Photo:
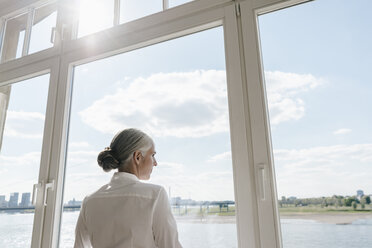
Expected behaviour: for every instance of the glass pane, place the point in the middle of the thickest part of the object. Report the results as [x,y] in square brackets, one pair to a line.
[318,87]
[44,20]
[21,40]
[14,38]
[21,130]
[95,15]
[173,3]
[134,9]
[176,92]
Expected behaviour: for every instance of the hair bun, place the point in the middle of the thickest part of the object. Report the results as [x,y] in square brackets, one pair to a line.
[107,161]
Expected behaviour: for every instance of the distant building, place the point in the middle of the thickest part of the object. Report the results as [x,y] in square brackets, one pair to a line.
[25,202]
[74,202]
[360,194]
[13,200]
[3,203]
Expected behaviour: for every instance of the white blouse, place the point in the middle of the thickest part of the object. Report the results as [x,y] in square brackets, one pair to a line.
[126,213]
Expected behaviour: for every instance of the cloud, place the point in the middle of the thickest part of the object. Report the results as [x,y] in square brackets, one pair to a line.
[342,131]
[190,104]
[31,158]
[323,171]
[24,116]
[78,145]
[283,91]
[82,158]
[221,156]
[179,104]
[26,125]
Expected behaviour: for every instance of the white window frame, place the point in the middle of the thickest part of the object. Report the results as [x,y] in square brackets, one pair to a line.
[253,171]
[15,75]
[30,11]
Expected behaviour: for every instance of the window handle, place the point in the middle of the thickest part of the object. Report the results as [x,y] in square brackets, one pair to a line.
[261,180]
[35,191]
[47,186]
[53,35]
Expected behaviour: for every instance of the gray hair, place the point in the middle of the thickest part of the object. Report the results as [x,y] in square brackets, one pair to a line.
[122,147]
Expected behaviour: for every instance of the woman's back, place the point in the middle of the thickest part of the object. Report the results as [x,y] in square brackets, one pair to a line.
[127,213]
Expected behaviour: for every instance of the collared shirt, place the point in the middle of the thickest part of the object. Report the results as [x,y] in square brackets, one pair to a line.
[126,213]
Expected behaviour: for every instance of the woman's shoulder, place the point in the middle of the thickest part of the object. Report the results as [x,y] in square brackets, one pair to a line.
[147,190]
[149,187]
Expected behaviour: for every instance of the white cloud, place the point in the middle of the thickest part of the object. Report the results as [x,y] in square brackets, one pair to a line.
[190,104]
[82,158]
[342,131]
[31,158]
[11,132]
[180,104]
[221,156]
[22,124]
[323,171]
[24,116]
[283,91]
[82,144]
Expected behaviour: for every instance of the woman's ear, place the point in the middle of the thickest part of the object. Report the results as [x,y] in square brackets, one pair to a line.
[137,157]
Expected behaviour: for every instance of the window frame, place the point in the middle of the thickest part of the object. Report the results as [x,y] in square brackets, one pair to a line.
[29,10]
[51,67]
[257,217]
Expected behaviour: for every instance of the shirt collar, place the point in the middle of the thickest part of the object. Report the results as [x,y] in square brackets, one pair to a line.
[120,176]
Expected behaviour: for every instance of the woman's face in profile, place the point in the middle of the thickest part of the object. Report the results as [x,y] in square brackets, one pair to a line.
[148,161]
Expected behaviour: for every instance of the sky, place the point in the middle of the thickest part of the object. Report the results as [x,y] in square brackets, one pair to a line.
[317,61]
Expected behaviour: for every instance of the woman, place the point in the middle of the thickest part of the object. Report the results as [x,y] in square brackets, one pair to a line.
[126,212]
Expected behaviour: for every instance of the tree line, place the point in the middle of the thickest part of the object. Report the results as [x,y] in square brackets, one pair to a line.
[335,200]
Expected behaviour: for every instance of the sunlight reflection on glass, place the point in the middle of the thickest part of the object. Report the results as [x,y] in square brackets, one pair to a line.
[95,15]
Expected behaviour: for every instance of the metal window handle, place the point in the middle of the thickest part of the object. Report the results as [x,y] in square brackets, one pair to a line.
[47,186]
[261,180]
[35,191]
[53,35]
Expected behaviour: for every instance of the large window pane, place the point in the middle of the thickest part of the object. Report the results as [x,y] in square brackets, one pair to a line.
[22,114]
[176,91]
[45,19]
[317,59]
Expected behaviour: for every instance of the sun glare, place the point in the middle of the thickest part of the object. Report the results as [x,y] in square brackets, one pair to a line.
[95,15]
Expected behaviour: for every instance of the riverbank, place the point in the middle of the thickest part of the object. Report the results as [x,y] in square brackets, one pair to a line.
[338,218]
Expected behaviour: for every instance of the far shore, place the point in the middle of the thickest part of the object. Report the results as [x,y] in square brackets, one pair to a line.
[341,218]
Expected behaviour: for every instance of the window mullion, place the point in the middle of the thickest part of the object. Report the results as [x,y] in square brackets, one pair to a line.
[117,12]
[2,34]
[30,20]
[165,4]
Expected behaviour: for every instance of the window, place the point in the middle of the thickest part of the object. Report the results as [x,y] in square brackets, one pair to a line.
[14,36]
[322,48]
[29,32]
[177,92]
[318,98]
[43,30]
[22,128]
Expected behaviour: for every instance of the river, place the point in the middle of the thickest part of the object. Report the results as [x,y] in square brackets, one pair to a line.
[15,232]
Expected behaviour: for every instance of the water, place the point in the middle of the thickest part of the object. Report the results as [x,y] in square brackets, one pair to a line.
[16,229]
[312,234]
